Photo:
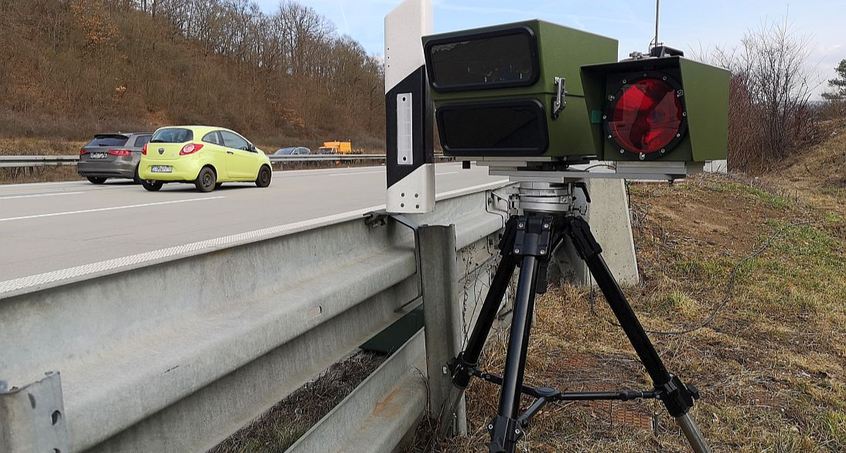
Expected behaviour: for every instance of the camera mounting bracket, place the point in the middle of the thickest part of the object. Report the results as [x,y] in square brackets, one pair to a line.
[554,170]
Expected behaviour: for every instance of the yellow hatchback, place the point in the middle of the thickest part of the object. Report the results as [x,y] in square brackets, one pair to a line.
[204,155]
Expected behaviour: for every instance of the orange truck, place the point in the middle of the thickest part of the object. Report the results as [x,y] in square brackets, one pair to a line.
[336,148]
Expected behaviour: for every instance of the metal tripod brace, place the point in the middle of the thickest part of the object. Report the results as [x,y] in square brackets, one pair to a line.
[529,240]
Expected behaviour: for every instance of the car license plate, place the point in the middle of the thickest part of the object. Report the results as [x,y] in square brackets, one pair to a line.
[161,169]
[98,155]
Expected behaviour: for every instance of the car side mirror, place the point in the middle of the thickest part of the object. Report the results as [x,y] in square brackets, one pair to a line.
[251,148]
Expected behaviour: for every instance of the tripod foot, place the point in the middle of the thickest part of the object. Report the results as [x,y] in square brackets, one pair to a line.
[505,432]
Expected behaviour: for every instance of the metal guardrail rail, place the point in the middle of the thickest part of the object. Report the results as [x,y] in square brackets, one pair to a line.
[36,161]
[54,161]
[176,351]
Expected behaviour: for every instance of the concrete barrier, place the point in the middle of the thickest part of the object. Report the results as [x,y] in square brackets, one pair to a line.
[610,221]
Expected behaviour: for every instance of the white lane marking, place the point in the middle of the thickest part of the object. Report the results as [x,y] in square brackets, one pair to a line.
[193,248]
[197,247]
[55,194]
[352,173]
[447,173]
[38,184]
[114,208]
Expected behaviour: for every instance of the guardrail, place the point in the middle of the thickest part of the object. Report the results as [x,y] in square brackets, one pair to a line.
[174,350]
[322,157]
[55,161]
[36,161]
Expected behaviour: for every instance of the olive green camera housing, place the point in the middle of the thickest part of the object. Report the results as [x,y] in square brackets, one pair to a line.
[703,92]
[495,90]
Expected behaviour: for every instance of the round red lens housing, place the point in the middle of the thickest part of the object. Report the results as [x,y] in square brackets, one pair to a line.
[647,116]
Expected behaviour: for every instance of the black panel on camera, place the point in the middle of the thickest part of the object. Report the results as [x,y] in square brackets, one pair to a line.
[498,59]
[513,127]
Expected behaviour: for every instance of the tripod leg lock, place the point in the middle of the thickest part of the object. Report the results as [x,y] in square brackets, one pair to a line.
[461,371]
[505,433]
[677,397]
[582,238]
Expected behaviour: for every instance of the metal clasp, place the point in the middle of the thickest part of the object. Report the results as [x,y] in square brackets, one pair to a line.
[560,101]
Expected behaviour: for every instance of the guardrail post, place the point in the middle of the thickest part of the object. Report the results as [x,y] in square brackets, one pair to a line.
[32,418]
[442,318]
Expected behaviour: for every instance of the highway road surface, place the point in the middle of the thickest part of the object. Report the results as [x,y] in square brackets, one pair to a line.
[51,228]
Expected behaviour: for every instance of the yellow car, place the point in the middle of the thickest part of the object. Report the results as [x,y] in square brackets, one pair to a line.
[204,155]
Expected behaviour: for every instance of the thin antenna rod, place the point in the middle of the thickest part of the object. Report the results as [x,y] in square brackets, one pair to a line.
[657,5]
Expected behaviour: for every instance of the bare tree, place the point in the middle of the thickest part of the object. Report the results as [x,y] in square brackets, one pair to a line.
[771,89]
[153,62]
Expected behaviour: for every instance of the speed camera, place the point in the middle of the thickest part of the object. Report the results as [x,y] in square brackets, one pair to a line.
[514,89]
[658,107]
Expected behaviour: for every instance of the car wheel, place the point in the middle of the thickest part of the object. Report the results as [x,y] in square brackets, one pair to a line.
[264,175]
[206,180]
[96,180]
[151,185]
[136,178]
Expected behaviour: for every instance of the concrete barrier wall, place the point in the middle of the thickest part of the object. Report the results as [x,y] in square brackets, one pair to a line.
[716,166]
[609,218]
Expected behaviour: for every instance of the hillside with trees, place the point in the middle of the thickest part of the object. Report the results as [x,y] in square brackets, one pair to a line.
[71,68]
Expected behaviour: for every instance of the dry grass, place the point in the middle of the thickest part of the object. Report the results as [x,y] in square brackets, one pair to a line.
[20,175]
[818,177]
[26,146]
[38,146]
[770,367]
[286,422]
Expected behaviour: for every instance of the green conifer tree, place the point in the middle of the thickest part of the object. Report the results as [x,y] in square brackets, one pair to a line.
[838,84]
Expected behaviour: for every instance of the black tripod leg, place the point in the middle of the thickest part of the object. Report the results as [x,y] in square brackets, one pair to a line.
[505,429]
[463,365]
[673,393]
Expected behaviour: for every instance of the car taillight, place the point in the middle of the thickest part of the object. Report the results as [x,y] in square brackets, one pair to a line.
[120,152]
[647,117]
[190,149]
[144,150]
[82,152]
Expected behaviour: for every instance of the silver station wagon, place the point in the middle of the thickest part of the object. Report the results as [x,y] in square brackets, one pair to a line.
[112,156]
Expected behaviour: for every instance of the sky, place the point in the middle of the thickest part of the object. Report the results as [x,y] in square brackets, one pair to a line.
[689,25]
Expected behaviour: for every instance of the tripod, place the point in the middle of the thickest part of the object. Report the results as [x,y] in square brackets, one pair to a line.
[528,241]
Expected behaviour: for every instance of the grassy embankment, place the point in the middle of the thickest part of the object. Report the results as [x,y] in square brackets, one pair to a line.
[771,366]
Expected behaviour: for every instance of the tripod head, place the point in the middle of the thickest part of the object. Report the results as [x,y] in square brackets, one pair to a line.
[551,198]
